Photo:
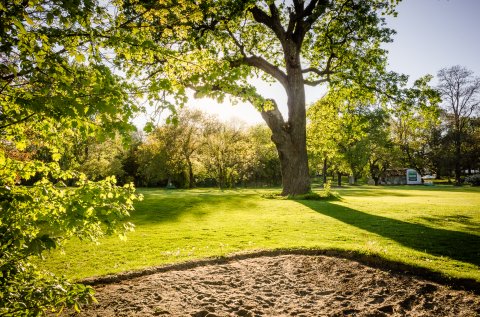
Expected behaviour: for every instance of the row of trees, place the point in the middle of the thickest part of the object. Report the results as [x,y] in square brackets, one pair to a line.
[349,133]
[199,150]
[439,133]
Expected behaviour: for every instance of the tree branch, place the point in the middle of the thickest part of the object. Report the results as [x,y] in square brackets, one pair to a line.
[237,42]
[17,122]
[310,14]
[274,119]
[263,64]
[272,22]
[315,82]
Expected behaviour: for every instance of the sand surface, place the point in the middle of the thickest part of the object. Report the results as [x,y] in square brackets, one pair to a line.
[282,285]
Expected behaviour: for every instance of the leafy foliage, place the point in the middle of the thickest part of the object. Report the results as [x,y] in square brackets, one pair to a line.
[55,92]
[347,130]
[215,48]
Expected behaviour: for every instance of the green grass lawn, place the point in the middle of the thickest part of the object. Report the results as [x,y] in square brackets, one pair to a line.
[437,228]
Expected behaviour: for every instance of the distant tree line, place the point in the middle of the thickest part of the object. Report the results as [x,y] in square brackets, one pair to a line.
[196,150]
[435,130]
[350,133]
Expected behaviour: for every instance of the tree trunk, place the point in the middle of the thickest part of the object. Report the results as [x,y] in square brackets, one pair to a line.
[324,170]
[191,180]
[339,176]
[294,166]
[290,137]
[458,158]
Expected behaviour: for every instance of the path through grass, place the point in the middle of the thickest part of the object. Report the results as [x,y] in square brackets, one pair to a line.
[435,228]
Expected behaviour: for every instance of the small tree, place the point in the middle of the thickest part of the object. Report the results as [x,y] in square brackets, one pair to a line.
[460,91]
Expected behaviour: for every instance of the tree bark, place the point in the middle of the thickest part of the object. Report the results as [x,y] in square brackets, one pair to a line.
[324,170]
[292,153]
[458,158]
[290,137]
[294,165]
[191,177]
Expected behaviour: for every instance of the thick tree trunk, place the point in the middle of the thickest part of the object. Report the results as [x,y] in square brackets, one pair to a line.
[290,137]
[294,165]
[339,179]
[292,152]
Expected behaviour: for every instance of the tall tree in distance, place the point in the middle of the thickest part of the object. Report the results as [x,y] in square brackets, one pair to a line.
[460,91]
[217,48]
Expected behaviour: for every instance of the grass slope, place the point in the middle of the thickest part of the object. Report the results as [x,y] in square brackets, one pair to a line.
[435,228]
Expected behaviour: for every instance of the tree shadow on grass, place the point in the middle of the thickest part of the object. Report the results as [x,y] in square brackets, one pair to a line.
[456,245]
[403,190]
[161,205]
[373,192]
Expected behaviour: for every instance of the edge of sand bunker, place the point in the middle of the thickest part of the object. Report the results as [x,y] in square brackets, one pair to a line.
[373,261]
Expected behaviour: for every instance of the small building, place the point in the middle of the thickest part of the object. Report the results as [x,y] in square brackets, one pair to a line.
[401,176]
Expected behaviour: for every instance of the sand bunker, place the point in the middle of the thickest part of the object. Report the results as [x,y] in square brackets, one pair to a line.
[283,285]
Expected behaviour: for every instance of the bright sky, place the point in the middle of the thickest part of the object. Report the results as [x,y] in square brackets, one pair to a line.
[431,34]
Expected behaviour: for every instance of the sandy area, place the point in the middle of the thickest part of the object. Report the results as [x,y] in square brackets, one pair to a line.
[282,285]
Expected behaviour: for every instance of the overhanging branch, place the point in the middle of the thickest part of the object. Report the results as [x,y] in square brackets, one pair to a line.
[264,65]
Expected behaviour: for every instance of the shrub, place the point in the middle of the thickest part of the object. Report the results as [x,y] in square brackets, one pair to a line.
[474,180]
[37,218]
[326,194]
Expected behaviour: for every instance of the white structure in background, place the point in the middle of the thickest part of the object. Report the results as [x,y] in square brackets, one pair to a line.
[413,177]
[401,176]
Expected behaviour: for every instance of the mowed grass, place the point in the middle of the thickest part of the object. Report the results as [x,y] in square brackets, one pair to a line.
[436,228]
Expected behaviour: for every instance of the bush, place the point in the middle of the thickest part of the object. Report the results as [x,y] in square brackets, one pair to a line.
[474,180]
[326,194]
[37,218]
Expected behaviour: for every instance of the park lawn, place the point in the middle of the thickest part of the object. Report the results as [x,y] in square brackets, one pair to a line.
[437,228]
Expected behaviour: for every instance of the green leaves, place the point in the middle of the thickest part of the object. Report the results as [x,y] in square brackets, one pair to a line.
[38,218]
[55,94]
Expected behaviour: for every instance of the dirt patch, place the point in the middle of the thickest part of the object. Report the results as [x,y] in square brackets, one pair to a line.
[283,285]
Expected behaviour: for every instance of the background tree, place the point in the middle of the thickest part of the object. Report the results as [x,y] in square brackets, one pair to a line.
[265,165]
[460,91]
[322,127]
[218,47]
[227,154]
[188,139]
[414,119]
[348,129]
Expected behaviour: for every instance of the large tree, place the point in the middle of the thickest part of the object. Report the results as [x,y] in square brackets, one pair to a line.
[218,47]
[460,91]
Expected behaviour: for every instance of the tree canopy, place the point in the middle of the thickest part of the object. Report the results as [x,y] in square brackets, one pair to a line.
[217,48]
[54,89]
